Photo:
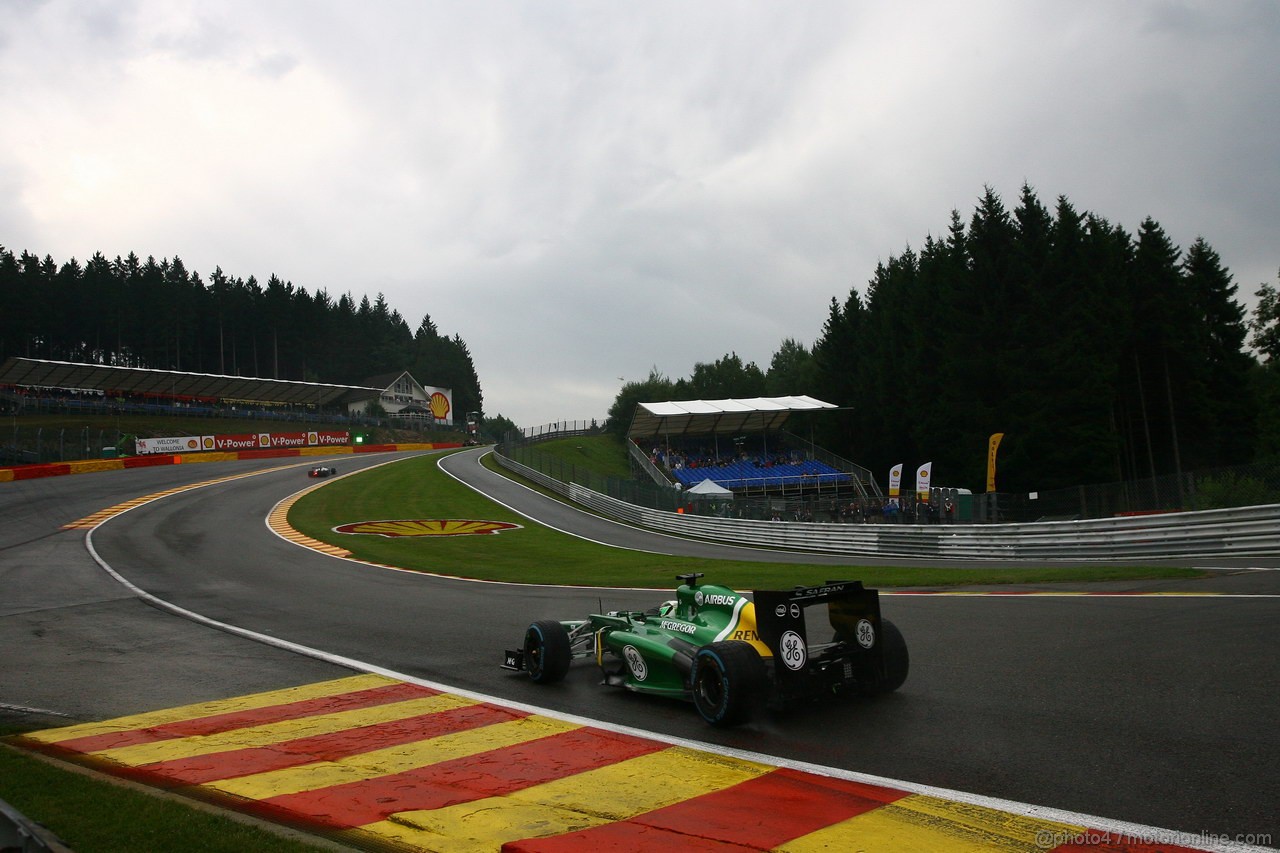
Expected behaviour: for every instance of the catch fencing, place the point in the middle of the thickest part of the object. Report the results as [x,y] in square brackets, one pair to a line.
[1234,532]
[22,443]
[38,445]
[1244,531]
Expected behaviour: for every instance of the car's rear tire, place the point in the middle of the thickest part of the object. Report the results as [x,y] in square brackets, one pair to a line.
[728,682]
[897,662]
[547,652]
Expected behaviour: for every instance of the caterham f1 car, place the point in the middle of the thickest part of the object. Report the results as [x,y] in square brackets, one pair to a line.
[728,652]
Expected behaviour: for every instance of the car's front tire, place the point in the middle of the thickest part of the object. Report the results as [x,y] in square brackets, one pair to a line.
[728,682]
[547,652]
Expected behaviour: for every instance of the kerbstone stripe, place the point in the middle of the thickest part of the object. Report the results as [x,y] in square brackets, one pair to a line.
[390,763]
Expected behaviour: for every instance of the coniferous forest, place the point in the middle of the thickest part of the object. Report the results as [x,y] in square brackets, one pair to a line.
[156,314]
[1101,355]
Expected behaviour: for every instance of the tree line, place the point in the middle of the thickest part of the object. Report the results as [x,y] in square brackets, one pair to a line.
[1099,354]
[155,314]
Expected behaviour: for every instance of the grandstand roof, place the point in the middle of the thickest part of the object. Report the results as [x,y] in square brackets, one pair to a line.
[698,417]
[139,380]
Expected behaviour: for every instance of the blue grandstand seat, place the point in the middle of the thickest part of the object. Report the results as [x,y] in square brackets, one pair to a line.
[738,474]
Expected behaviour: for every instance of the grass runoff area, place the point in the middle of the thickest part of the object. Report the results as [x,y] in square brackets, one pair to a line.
[416,489]
[95,815]
[91,814]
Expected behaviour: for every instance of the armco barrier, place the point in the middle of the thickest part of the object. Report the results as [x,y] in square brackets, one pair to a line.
[19,833]
[1238,532]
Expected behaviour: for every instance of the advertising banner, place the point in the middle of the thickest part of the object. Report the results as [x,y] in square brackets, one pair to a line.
[283,439]
[440,403]
[173,444]
[993,444]
[895,480]
[923,474]
[244,441]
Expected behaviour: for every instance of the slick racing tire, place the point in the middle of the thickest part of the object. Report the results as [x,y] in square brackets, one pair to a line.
[728,682]
[896,660]
[546,651]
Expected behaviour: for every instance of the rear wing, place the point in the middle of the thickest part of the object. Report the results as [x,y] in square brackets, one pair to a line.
[814,651]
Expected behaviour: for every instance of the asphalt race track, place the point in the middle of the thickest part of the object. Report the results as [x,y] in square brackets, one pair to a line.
[1159,710]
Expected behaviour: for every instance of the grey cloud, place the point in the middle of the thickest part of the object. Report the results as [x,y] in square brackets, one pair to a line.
[584,192]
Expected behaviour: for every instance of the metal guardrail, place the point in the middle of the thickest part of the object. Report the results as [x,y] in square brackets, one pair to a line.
[865,481]
[22,835]
[1236,532]
[641,460]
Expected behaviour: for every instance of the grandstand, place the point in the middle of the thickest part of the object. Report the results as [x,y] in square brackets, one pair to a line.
[746,473]
[741,446]
[112,389]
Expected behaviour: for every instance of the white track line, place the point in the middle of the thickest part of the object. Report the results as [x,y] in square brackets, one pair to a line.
[1092,822]
[1144,832]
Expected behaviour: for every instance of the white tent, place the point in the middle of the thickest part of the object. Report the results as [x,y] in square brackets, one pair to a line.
[709,489]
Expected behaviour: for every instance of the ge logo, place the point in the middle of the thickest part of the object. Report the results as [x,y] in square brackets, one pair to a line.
[635,661]
[794,653]
[697,598]
[865,633]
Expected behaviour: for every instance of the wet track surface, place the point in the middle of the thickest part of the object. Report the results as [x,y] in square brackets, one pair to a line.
[1157,710]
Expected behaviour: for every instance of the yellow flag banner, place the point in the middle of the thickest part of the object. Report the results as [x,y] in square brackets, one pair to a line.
[895,480]
[924,475]
[992,445]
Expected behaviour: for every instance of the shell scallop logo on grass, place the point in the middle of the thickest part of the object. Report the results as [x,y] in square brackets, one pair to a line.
[427,527]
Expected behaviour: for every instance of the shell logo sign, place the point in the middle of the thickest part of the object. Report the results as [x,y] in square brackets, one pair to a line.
[439,406]
[427,527]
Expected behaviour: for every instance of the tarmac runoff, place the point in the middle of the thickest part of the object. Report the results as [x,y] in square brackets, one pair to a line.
[375,761]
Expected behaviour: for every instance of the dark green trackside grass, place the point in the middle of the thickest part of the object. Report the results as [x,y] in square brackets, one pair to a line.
[416,489]
[94,815]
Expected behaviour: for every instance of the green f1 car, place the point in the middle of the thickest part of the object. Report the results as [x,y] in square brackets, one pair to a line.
[729,653]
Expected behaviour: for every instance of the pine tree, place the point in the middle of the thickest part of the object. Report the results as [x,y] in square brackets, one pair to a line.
[837,359]
[1221,411]
[1153,365]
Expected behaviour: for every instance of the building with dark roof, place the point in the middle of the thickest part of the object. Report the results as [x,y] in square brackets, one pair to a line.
[399,394]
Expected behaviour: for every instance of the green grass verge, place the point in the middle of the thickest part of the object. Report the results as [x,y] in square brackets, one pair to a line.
[92,815]
[417,489]
[604,454]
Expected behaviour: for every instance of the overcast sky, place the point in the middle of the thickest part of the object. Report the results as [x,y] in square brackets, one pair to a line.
[587,191]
